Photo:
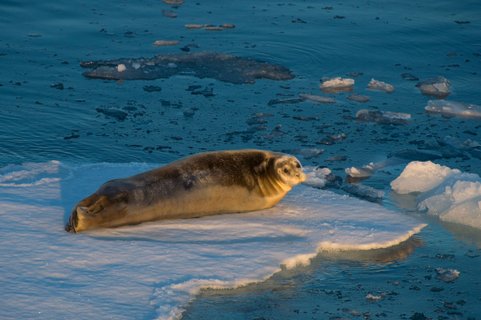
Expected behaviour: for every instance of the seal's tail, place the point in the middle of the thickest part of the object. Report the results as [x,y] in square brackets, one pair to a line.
[81,211]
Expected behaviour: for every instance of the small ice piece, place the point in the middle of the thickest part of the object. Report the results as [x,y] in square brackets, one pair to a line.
[379,85]
[447,275]
[194,26]
[363,192]
[450,194]
[316,98]
[373,298]
[309,153]
[384,117]
[316,177]
[228,25]
[360,172]
[171,65]
[136,65]
[438,87]
[337,84]
[174,2]
[409,77]
[358,98]
[421,176]
[121,67]
[454,108]
[210,27]
[163,43]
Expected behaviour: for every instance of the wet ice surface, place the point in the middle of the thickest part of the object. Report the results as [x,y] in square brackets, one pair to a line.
[212,65]
[49,111]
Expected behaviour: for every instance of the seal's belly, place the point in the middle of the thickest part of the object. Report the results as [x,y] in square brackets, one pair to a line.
[201,202]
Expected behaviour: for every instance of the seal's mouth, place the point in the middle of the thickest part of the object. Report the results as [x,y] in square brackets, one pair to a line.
[302,177]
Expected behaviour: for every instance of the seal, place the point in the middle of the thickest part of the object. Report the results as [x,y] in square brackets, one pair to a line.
[200,185]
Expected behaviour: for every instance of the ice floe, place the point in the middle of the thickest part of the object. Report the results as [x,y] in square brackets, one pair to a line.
[159,267]
[358,98]
[454,108]
[337,84]
[316,98]
[383,117]
[214,65]
[450,194]
[380,85]
[438,87]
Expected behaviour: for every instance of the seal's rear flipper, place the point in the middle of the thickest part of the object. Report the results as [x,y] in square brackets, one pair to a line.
[72,222]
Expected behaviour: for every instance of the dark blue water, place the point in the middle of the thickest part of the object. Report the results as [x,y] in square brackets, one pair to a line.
[48,110]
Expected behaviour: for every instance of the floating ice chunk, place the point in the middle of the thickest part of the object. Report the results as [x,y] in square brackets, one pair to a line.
[316,98]
[214,65]
[163,43]
[454,108]
[373,298]
[358,98]
[421,176]
[452,195]
[363,192]
[384,117]
[361,172]
[316,177]
[438,87]
[379,85]
[337,84]
[447,275]
[409,77]
[194,26]
[121,67]
[456,147]
[308,153]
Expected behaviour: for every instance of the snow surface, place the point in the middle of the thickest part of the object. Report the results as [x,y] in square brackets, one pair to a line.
[452,195]
[155,269]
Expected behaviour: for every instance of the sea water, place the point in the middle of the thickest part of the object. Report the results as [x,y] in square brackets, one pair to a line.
[52,117]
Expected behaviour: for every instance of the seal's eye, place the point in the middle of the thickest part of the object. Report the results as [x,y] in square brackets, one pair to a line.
[298,165]
[286,170]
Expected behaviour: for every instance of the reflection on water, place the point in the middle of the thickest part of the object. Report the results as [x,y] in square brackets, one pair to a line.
[394,284]
[382,256]
[468,235]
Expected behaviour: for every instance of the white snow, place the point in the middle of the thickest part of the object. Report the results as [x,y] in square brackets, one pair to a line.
[452,195]
[121,67]
[153,270]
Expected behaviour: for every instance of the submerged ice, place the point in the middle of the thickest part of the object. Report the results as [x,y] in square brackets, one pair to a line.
[454,108]
[450,194]
[159,267]
[213,65]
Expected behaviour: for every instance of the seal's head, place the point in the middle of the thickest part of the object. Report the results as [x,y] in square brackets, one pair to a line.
[289,170]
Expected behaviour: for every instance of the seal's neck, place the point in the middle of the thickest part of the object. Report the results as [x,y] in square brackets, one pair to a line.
[270,187]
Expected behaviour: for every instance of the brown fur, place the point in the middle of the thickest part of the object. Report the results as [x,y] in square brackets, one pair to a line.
[203,184]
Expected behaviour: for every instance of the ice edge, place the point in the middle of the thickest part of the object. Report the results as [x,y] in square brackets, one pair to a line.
[195,286]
